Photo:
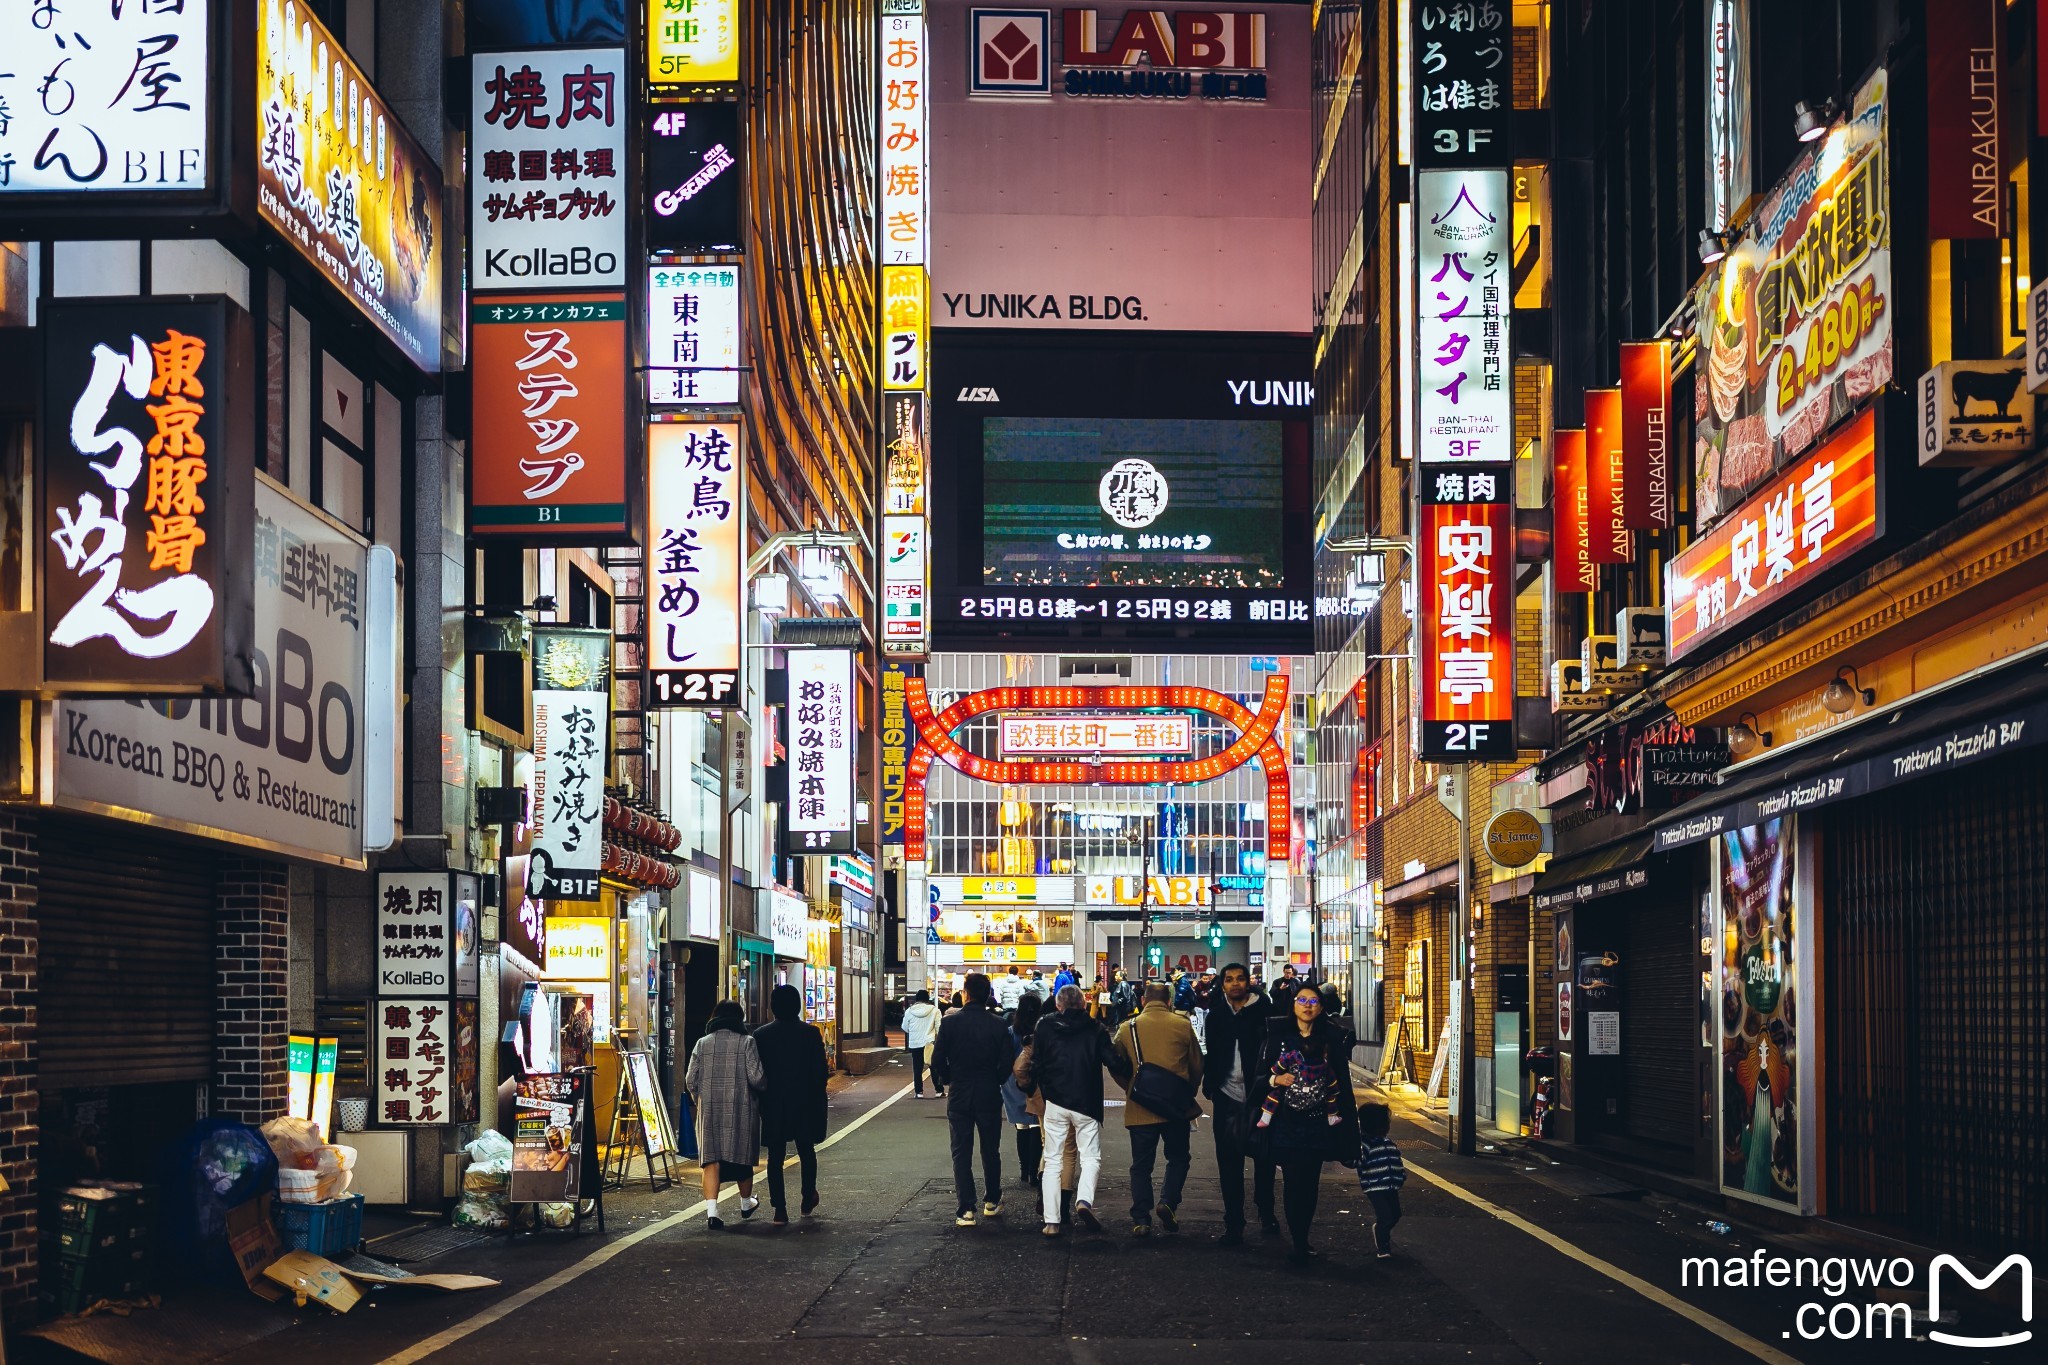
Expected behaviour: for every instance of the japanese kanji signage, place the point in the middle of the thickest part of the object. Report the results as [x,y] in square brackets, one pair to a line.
[572,720]
[1465,613]
[898,738]
[1809,519]
[548,458]
[145,482]
[693,334]
[696,560]
[692,41]
[343,182]
[693,177]
[1465,369]
[1646,434]
[906,561]
[904,129]
[1976,412]
[104,96]
[415,934]
[548,1132]
[1795,326]
[822,732]
[906,327]
[1571,541]
[906,470]
[412,1061]
[1075,733]
[1463,82]
[1728,124]
[282,768]
[1607,474]
[547,196]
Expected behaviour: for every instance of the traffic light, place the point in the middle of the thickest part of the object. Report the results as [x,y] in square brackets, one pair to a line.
[1214,933]
[1155,953]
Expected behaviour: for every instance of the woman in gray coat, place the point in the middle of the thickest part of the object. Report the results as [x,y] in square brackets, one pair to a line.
[725,1081]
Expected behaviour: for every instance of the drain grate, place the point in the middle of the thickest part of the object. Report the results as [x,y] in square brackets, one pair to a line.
[425,1243]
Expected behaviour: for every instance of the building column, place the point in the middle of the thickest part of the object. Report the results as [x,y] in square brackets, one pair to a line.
[252,969]
[20,1099]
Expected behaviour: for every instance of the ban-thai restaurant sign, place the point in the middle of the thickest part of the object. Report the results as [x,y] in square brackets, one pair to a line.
[1821,510]
[1795,327]
[146,483]
[339,177]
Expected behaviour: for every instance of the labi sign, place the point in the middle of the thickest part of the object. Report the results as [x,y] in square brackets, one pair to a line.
[1143,54]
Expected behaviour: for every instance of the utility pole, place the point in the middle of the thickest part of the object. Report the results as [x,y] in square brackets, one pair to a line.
[1463,1130]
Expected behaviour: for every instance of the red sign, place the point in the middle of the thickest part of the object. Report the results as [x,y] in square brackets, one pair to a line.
[1965,185]
[1646,433]
[1810,518]
[1606,480]
[1465,613]
[1571,550]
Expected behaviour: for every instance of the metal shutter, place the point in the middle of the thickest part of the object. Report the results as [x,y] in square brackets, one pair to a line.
[126,994]
[1660,1039]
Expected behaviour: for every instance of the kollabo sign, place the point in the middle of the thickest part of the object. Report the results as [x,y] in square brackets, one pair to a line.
[415,934]
[547,199]
[145,483]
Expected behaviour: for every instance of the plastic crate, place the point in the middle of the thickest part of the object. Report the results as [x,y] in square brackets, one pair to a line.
[91,1220]
[323,1229]
[76,1283]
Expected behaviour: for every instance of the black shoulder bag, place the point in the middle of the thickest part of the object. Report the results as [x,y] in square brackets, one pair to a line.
[1155,1088]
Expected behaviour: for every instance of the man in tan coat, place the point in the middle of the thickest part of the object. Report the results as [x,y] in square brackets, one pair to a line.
[1158,1036]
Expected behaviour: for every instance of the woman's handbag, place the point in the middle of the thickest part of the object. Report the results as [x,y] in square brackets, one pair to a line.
[1155,1088]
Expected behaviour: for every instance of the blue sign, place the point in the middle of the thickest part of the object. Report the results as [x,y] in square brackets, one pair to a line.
[1265,663]
[1252,861]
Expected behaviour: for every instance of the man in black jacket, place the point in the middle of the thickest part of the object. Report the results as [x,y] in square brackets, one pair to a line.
[1068,1054]
[972,1057]
[1236,1031]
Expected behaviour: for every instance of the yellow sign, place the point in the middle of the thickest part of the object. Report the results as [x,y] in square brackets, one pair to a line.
[1108,890]
[1514,837]
[906,326]
[1001,890]
[693,41]
[579,948]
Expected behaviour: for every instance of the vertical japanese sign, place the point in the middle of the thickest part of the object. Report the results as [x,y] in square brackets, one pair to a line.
[1965,172]
[693,334]
[549,455]
[905,527]
[547,205]
[907,434]
[1463,82]
[693,41]
[904,129]
[1727,113]
[1606,480]
[1465,614]
[822,731]
[898,738]
[1647,501]
[344,183]
[415,934]
[906,327]
[1465,403]
[1571,542]
[105,97]
[696,562]
[146,488]
[410,1063]
[571,720]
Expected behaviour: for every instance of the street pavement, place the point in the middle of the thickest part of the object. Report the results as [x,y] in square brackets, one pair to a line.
[881,1275]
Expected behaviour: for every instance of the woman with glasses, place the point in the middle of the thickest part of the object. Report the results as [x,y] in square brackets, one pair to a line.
[1303,1081]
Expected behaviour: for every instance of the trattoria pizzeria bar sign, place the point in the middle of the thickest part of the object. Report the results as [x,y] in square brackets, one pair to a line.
[146,484]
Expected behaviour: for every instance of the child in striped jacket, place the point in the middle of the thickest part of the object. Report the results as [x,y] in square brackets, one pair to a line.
[1380,1174]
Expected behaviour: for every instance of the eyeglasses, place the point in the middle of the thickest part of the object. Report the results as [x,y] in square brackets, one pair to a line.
[1311,1001]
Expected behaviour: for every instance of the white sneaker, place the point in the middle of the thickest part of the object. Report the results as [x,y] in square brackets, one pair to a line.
[747,1207]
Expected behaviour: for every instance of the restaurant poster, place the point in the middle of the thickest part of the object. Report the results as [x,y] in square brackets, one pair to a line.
[547,1138]
[1767,1081]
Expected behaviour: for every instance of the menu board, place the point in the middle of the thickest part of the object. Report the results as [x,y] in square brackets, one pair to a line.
[547,1138]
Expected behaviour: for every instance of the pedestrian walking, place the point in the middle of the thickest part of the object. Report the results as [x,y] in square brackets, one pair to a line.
[1381,1174]
[1069,1053]
[794,1068]
[972,1059]
[1009,990]
[920,1030]
[1023,1111]
[1305,1055]
[724,1079]
[1123,998]
[1159,1050]
[1064,977]
[1184,992]
[1236,1038]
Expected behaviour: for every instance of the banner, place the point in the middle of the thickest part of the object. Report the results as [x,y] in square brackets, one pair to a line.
[1965,172]
[696,562]
[1647,502]
[823,735]
[1571,542]
[1730,135]
[571,726]
[547,185]
[1465,614]
[1607,475]
[343,182]
[1465,249]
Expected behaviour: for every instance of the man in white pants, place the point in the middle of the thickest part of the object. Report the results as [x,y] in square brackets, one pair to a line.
[1068,1054]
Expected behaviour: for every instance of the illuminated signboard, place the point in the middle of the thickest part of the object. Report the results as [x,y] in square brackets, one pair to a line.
[1463,82]
[904,202]
[693,177]
[547,198]
[572,722]
[146,483]
[909,453]
[1119,733]
[1807,520]
[343,182]
[1572,536]
[1465,614]
[904,580]
[548,372]
[693,334]
[897,739]
[415,939]
[906,330]
[105,97]
[693,41]
[579,948]
[696,557]
[821,737]
[1607,536]
[1646,434]
[1465,406]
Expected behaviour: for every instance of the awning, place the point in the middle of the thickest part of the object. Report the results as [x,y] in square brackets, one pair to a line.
[2000,714]
[1603,872]
[747,943]
[1447,875]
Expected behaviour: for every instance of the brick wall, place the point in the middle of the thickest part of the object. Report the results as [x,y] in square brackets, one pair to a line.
[253,972]
[19,1099]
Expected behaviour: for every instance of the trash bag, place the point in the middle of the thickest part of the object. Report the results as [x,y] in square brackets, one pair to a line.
[215,1166]
[490,1145]
[296,1143]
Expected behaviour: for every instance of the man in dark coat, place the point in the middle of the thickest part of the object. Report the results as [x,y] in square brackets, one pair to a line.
[793,1106]
[970,1063]
[1235,1033]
